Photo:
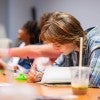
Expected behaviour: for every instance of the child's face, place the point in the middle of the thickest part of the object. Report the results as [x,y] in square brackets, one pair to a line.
[23,35]
[65,48]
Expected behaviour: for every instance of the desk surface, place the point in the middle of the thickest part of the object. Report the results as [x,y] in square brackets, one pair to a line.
[64,92]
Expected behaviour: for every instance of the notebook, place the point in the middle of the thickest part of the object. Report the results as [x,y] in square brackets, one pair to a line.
[56,75]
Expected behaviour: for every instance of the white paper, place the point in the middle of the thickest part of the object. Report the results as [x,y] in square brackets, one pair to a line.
[56,75]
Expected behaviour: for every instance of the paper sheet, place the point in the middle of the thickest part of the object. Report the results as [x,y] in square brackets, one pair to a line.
[56,75]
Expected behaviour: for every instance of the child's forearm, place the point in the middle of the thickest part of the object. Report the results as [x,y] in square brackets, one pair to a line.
[32,51]
[4,53]
[27,51]
[12,52]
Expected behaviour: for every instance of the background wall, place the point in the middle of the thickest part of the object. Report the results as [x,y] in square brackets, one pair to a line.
[14,13]
[87,11]
[3,17]
[19,13]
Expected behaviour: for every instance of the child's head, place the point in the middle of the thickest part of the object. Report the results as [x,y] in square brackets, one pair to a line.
[44,18]
[62,30]
[29,32]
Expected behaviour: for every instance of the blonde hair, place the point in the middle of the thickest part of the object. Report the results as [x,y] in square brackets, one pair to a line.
[62,28]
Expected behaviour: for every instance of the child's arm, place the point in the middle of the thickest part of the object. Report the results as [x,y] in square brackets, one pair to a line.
[32,51]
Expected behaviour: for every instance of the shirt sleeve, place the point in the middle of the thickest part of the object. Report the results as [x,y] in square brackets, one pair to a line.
[95,69]
[93,38]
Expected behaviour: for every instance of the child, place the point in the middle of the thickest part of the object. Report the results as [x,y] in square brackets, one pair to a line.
[63,31]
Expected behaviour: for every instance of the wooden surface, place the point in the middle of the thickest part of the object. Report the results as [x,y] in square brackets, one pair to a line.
[63,92]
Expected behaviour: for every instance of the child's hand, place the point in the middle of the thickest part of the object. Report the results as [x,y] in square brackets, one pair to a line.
[31,77]
[34,76]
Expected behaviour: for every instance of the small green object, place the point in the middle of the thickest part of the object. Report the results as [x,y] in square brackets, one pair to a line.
[21,76]
[1,71]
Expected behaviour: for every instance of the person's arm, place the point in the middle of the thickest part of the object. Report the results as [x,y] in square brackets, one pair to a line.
[93,40]
[95,69]
[32,51]
[4,53]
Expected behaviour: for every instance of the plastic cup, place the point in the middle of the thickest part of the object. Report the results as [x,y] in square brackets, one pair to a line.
[80,80]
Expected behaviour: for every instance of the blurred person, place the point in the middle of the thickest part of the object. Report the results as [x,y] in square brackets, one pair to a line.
[27,34]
